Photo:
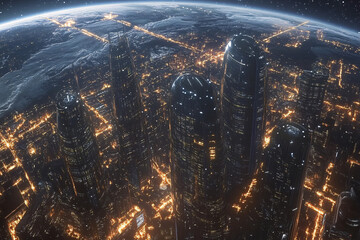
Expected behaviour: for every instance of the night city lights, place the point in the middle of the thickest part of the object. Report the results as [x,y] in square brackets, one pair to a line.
[180,120]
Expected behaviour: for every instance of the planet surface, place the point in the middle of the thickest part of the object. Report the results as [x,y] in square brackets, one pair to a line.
[39,55]
[35,51]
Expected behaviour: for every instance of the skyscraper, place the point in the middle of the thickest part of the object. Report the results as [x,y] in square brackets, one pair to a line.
[127,107]
[282,182]
[79,148]
[346,217]
[311,95]
[196,159]
[242,103]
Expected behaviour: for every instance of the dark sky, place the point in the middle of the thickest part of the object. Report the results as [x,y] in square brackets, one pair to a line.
[341,12]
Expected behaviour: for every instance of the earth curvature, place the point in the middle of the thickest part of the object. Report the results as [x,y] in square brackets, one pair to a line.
[42,54]
[36,52]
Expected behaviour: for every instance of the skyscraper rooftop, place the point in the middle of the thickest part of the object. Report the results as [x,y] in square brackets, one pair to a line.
[194,94]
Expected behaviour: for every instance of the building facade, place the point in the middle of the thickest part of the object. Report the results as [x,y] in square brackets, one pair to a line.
[282,182]
[79,148]
[242,103]
[345,222]
[196,160]
[311,95]
[128,112]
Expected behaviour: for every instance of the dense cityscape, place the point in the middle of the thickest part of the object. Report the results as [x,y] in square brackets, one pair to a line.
[225,139]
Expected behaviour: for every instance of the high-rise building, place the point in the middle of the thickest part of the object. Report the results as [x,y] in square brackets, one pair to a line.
[346,217]
[127,107]
[79,148]
[311,95]
[282,182]
[242,103]
[196,160]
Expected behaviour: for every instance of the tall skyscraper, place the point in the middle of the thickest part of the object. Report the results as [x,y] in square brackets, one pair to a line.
[282,182]
[242,103]
[127,107]
[196,160]
[79,148]
[346,217]
[311,95]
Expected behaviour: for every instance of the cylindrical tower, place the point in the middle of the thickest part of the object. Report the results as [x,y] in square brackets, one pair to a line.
[196,159]
[242,103]
[311,95]
[283,179]
[128,108]
[79,148]
[346,217]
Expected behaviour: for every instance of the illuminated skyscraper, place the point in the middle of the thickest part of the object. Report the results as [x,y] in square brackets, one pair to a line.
[127,107]
[196,159]
[282,182]
[311,95]
[242,102]
[79,148]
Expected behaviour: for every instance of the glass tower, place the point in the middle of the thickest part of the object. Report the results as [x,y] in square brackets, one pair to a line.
[346,217]
[127,107]
[79,148]
[311,95]
[196,160]
[242,103]
[283,179]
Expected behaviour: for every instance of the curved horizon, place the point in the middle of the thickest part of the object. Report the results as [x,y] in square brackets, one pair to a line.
[12,23]
[31,78]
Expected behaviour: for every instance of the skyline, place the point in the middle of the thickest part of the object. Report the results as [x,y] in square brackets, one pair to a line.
[13,101]
[162,91]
